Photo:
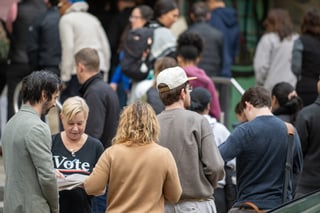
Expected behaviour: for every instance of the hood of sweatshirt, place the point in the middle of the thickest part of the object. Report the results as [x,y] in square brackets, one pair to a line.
[78,7]
[227,15]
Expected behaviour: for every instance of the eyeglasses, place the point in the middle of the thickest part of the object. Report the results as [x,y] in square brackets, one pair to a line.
[190,88]
[131,18]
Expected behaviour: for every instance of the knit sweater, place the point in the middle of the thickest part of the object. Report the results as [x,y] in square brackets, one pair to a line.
[139,178]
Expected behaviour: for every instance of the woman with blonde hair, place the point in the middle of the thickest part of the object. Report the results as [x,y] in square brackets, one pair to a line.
[74,152]
[139,173]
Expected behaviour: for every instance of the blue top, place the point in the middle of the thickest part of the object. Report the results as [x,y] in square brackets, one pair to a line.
[118,76]
[260,147]
[225,20]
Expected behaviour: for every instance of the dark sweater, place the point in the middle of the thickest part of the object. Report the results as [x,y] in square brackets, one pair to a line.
[260,147]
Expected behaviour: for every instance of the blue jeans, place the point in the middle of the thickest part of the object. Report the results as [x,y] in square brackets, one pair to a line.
[99,203]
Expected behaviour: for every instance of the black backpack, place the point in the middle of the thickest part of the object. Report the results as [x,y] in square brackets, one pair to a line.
[134,64]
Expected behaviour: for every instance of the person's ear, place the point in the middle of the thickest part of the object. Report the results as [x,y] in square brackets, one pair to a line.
[180,60]
[198,59]
[192,17]
[81,67]
[183,93]
[248,105]
[208,16]
[274,100]
[208,106]
[44,96]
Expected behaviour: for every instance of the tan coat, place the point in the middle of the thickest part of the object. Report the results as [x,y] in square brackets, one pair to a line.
[139,178]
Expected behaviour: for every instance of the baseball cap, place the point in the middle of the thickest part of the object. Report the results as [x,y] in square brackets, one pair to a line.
[173,77]
[200,98]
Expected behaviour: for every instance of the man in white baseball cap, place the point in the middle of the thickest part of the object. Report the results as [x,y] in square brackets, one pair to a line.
[189,137]
[174,79]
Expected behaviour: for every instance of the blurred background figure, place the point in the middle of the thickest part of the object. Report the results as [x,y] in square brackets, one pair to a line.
[130,167]
[285,102]
[272,59]
[189,50]
[43,47]
[305,57]
[22,14]
[225,19]
[4,53]
[140,17]
[79,29]
[166,13]
[115,25]
[79,149]
[212,56]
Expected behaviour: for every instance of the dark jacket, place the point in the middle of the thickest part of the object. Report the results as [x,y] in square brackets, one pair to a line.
[310,69]
[225,20]
[27,10]
[212,56]
[104,109]
[44,47]
[307,125]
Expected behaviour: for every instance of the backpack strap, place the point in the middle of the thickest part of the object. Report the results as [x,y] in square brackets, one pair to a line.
[288,166]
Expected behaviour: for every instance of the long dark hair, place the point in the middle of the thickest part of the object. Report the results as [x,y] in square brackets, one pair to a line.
[279,21]
[311,23]
[289,102]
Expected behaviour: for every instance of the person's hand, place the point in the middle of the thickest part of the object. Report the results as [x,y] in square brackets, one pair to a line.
[59,174]
[113,86]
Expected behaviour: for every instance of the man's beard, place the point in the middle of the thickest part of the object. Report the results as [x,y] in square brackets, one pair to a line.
[46,108]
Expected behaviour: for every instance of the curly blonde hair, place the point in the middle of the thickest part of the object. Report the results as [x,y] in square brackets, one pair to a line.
[138,125]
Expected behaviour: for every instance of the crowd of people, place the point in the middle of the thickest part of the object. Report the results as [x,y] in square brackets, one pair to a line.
[157,144]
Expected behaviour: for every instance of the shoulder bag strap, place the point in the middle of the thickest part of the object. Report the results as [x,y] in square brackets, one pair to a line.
[252,205]
[288,166]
